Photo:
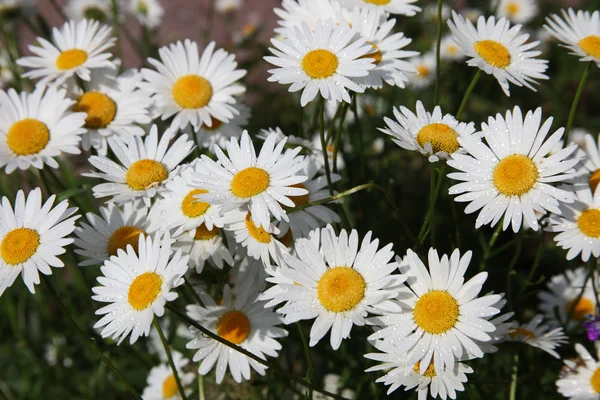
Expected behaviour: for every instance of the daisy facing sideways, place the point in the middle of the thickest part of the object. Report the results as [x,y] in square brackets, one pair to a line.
[402,7]
[77,49]
[37,127]
[580,377]
[32,235]
[138,285]
[332,280]
[517,11]
[578,31]
[539,335]
[161,384]
[193,89]
[509,173]
[497,49]
[144,165]
[203,244]
[242,320]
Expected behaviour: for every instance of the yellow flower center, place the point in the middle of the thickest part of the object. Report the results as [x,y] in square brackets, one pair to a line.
[429,372]
[215,124]
[19,245]
[142,8]
[452,49]
[514,332]
[378,2]
[250,182]
[100,109]
[27,136]
[595,180]
[515,175]
[512,8]
[441,136]
[145,173]
[583,308]
[123,236]
[595,381]
[202,232]
[320,64]
[191,207]
[375,54]
[436,312]
[169,387]
[591,45]
[422,70]
[259,234]
[234,326]
[70,59]
[192,91]
[341,289]
[144,289]
[494,53]
[302,199]
[589,222]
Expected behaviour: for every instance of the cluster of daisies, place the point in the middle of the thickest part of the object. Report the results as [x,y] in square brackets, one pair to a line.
[188,190]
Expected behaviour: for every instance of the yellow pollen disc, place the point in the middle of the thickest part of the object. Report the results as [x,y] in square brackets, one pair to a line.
[142,8]
[192,91]
[191,207]
[494,53]
[512,8]
[123,236]
[589,222]
[595,180]
[515,175]
[375,54]
[70,59]
[19,245]
[234,326]
[422,70]
[27,136]
[202,232]
[341,289]
[100,109]
[144,173]
[320,64]
[429,372]
[452,49]
[591,45]
[169,387]
[583,308]
[144,289]
[441,136]
[302,199]
[259,234]
[436,312]
[514,332]
[250,182]
[215,124]
[378,2]
[595,381]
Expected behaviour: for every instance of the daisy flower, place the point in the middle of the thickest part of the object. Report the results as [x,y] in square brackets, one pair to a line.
[316,154]
[295,13]
[538,335]
[148,13]
[37,127]
[144,166]
[227,6]
[203,244]
[517,11]
[99,10]
[6,75]
[561,301]
[218,133]
[244,321]
[332,280]
[387,49]
[402,7]
[510,173]
[592,160]
[138,285]
[32,236]
[321,61]
[161,384]
[115,228]
[263,183]
[499,50]
[77,49]
[582,382]
[579,32]
[579,224]
[398,374]
[113,106]
[425,66]
[432,134]
[449,50]
[193,88]
[441,316]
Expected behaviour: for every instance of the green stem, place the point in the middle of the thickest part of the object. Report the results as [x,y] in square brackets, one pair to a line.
[309,368]
[169,357]
[336,143]
[434,190]
[201,387]
[114,7]
[514,377]
[209,21]
[436,97]
[248,354]
[463,103]
[487,251]
[536,263]
[324,144]
[85,338]
[361,144]
[578,298]
[575,102]
[188,285]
